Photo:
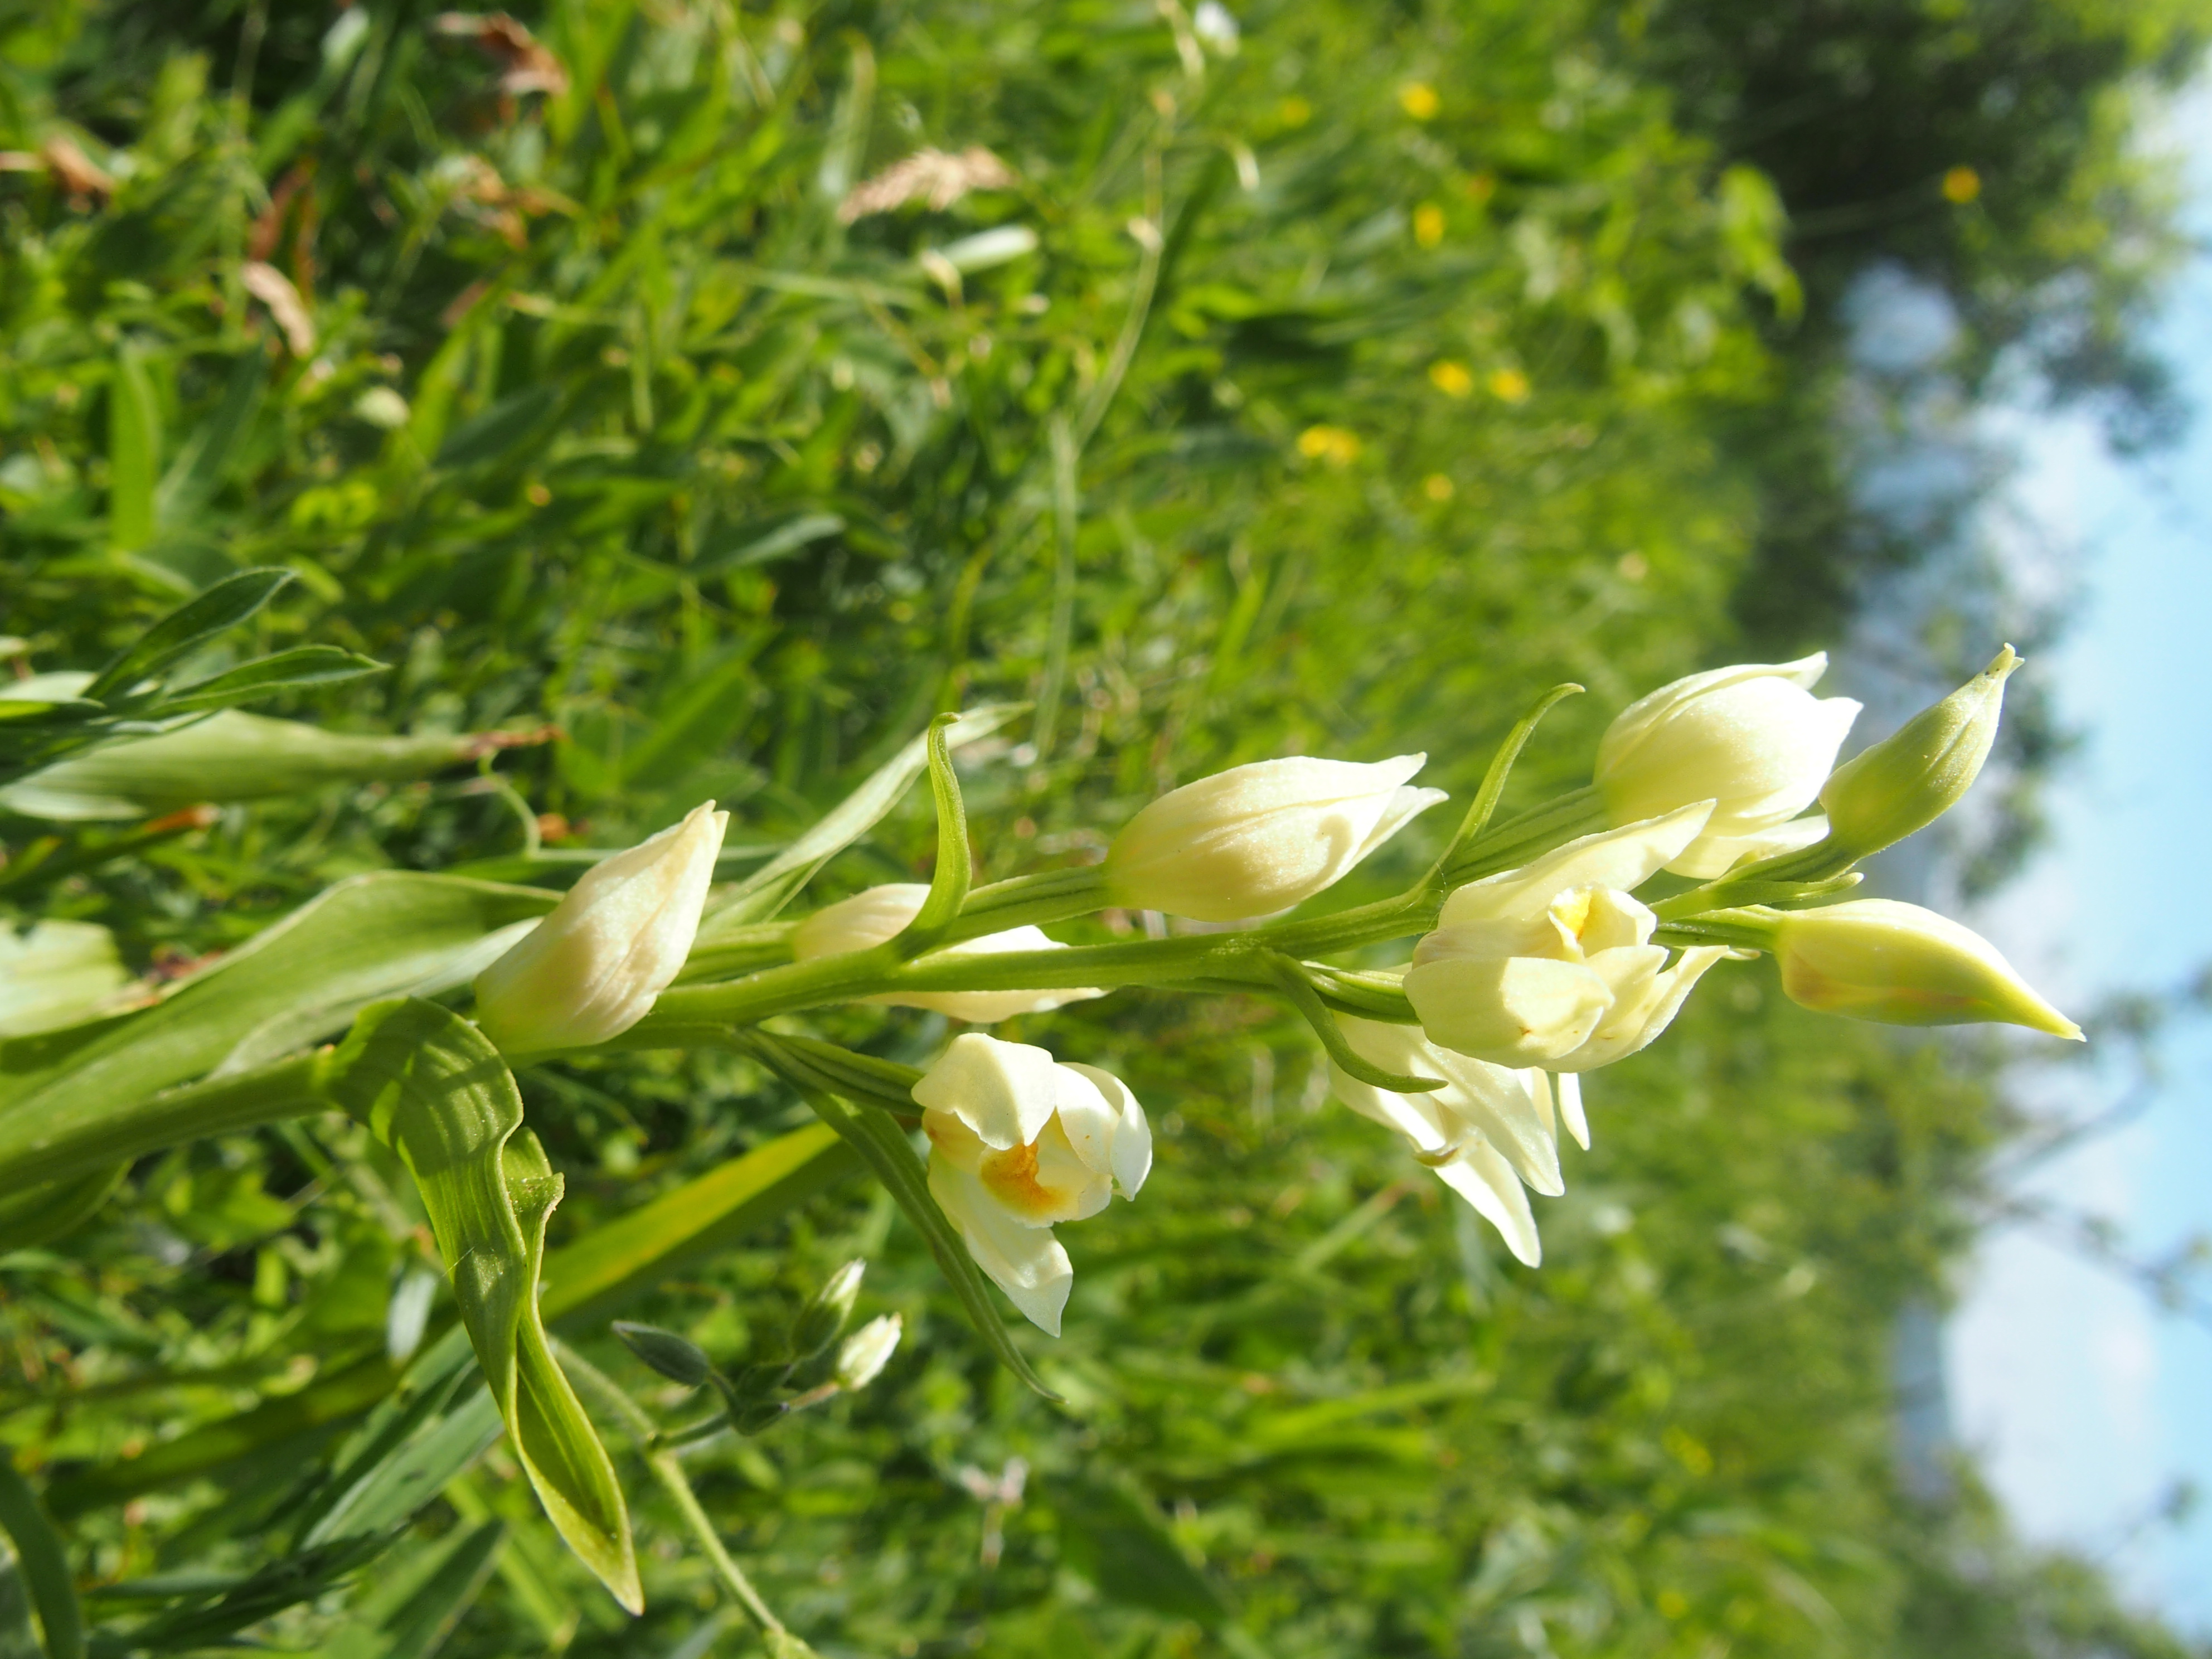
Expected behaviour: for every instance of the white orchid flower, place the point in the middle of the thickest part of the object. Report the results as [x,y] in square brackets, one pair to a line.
[592,968]
[1261,838]
[1552,964]
[1019,1141]
[1752,739]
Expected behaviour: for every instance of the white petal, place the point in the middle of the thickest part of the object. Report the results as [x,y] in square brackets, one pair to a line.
[1087,1117]
[1026,1262]
[864,920]
[1005,1092]
[1711,856]
[1510,1011]
[1571,1109]
[1133,1134]
[1405,804]
[1484,1179]
[1624,858]
[1490,1100]
[1644,1006]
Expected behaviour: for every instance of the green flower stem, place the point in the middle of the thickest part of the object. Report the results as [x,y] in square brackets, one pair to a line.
[38,1149]
[1031,901]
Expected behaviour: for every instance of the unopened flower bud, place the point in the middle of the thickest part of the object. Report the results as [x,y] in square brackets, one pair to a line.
[675,1357]
[1261,838]
[867,1351]
[1901,965]
[592,970]
[1916,773]
[1752,739]
[825,1315]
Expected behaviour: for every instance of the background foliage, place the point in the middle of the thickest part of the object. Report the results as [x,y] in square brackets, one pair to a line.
[1328,386]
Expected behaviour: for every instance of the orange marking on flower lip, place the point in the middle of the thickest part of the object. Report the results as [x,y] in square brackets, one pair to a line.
[1012,1177]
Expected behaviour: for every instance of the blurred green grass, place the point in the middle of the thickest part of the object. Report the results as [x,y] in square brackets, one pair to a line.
[1341,390]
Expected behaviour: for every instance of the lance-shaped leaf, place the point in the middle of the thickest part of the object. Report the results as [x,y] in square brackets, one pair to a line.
[232,756]
[431,1086]
[184,631]
[372,937]
[771,887]
[41,1567]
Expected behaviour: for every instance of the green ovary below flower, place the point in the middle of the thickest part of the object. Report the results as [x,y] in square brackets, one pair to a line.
[1901,965]
[1752,739]
[592,969]
[1552,964]
[1019,1141]
[1257,839]
[870,918]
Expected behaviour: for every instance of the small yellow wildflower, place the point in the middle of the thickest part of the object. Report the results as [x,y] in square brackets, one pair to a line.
[1961,186]
[1332,444]
[1419,100]
[1451,379]
[1671,1603]
[1509,385]
[1436,487]
[1428,224]
[1294,112]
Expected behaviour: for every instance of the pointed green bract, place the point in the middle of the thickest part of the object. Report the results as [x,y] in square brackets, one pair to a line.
[431,1086]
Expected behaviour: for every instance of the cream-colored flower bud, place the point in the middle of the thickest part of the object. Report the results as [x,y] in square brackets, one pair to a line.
[1753,739]
[1901,965]
[1917,773]
[1261,838]
[869,919]
[1018,1141]
[592,969]
[864,1354]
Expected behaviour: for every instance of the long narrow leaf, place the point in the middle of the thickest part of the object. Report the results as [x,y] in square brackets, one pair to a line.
[430,1085]
[45,1568]
[286,670]
[184,631]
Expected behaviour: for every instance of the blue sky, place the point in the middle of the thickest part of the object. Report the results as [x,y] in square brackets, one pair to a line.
[2083,1402]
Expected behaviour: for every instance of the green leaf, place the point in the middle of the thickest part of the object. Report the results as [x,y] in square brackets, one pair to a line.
[435,1425]
[1115,1542]
[430,1085]
[367,938]
[416,1608]
[134,443]
[228,757]
[184,631]
[193,477]
[285,671]
[282,1584]
[948,883]
[878,1139]
[757,541]
[55,974]
[18,1639]
[41,1566]
[493,432]
[772,887]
